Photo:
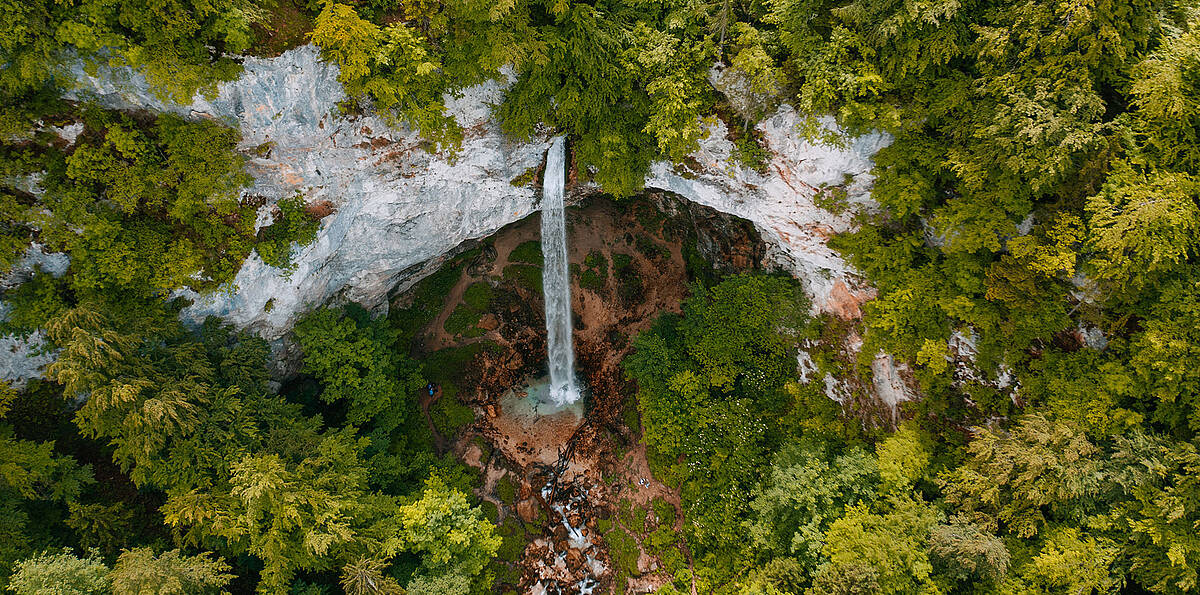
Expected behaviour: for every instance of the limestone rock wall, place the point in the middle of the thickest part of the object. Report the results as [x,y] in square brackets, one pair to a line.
[400,209]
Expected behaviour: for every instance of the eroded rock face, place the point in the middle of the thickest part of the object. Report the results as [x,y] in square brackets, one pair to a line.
[400,209]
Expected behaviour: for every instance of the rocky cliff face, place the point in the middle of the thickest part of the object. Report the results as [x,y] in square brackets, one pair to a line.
[401,209]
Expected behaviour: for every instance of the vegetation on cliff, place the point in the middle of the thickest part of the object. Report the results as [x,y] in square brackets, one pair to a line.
[1034,256]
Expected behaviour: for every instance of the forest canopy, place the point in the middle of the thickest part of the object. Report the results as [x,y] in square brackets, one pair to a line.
[1034,259]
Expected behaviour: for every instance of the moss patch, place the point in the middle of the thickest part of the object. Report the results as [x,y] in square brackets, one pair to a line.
[526,276]
[506,490]
[478,296]
[528,252]
[461,321]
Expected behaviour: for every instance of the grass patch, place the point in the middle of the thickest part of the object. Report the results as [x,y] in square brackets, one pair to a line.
[604,525]
[629,283]
[596,260]
[526,276]
[506,490]
[528,252]
[478,296]
[594,273]
[651,249]
[698,267]
[621,262]
[461,320]
[449,416]
[445,367]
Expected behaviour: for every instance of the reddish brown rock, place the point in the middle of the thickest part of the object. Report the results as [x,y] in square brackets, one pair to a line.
[575,560]
[489,322]
[527,510]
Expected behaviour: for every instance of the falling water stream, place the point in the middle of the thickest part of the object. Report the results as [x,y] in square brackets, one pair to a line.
[556,281]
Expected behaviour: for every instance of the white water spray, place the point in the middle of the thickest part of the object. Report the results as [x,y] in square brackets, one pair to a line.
[556,280]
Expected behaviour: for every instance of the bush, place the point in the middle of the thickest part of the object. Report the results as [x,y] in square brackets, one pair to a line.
[449,416]
[506,490]
[624,551]
[293,224]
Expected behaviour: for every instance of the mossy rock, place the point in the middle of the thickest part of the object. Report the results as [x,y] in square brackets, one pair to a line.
[485,448]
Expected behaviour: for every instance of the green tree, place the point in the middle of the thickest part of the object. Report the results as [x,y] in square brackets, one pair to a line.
[140,572]
[708,384]
[291,516]
[365,577]
[63,573]
[964,552]
[1143,225]
[881,553]
[1018,480]
[1068,562]
[356,363]
[1154,523]
[807,489]
[452,537]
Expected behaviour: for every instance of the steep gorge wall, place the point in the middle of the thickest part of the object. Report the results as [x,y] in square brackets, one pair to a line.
[400,209]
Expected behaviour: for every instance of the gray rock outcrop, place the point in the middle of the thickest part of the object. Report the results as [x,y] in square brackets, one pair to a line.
[400,209]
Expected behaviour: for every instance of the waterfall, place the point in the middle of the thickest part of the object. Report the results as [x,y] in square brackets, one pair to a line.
[556,280]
